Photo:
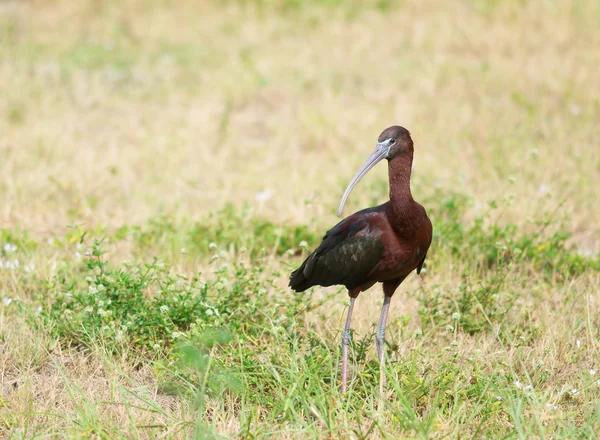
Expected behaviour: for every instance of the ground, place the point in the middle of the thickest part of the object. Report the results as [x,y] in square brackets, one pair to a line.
[164,168]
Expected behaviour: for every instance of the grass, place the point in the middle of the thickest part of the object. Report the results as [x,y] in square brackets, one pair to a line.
[164,169]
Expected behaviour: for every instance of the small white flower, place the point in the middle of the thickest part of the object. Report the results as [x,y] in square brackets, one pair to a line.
[182,250]
[592,372]
[303,244]
[77,255]
[39,309]
[102,312]
[263,196]
[88,309]
[528,388]
[7,301]
[11,264]
[8,248]
[518,384]
[575,110]
[164,308]
[456,316]
[209,312]
[176,335]
[578,343]
[499,398]
[449,328]
[212,245]
[574,392]
[29,268]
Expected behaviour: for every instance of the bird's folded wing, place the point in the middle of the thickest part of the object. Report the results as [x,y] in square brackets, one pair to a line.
[348,253]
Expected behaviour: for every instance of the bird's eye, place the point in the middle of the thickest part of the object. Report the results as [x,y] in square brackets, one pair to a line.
[392,141]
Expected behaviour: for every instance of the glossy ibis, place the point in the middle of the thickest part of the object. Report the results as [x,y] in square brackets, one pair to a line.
[380,244]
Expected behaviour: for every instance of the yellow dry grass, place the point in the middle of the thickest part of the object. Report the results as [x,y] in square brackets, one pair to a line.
[112,113]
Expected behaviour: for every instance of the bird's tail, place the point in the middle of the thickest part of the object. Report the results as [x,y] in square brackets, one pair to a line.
[298,280]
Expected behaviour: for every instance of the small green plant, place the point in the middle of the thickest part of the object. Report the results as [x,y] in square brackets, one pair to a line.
[227,229]
[147,308]
[15,239]
[488,244]
[143,306]
[493,254]
[470,308]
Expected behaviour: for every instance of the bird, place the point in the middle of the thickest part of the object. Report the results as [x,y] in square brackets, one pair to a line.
[381,244]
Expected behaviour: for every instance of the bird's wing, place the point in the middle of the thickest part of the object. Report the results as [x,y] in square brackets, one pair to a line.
[348,253]
[420,265]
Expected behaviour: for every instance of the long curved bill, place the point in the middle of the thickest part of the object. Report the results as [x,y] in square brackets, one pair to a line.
[381,152]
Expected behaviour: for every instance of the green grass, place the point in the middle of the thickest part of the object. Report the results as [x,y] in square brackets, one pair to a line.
[233,340]
[164,168]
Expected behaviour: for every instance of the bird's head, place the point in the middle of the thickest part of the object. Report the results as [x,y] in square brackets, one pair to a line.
[393,142]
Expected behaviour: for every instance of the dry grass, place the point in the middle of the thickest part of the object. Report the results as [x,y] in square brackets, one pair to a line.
[112,114]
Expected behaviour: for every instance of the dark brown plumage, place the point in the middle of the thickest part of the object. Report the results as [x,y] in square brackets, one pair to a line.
[380,244]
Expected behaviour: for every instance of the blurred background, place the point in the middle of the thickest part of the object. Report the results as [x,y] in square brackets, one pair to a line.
[113,112]
[165,165]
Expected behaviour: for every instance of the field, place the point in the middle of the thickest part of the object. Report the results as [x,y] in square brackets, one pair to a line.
[164,167]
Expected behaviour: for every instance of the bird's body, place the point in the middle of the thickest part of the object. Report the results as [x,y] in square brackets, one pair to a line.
[367,247]
[380,244]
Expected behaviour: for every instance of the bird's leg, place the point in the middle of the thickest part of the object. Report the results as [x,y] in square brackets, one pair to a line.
[345,344]
[380,340]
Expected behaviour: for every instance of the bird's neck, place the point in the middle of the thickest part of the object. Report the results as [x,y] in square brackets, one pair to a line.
[399,169]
